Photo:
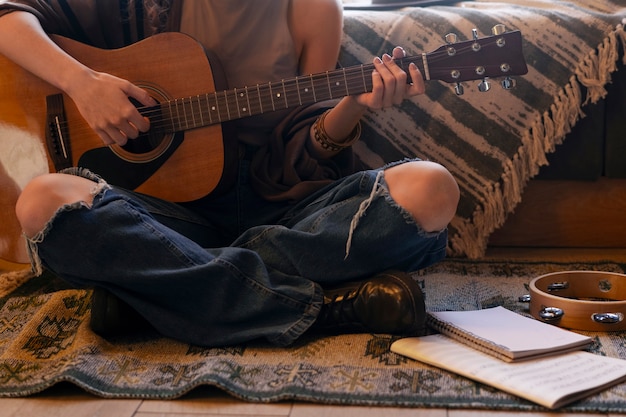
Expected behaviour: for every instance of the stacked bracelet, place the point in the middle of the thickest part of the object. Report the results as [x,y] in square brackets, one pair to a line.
[320,135]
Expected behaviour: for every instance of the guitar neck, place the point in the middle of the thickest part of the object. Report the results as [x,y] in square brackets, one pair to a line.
[499,55]
[212,108]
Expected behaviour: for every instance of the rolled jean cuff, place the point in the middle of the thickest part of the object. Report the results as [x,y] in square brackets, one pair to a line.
[305,322]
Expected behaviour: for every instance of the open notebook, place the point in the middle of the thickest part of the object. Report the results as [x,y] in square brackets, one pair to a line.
[505,334]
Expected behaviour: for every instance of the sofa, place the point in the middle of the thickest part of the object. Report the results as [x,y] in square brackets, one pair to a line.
[541,164]
[578,200]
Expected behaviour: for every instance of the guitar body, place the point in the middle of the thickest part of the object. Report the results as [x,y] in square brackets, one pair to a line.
[184,167]
[168,65]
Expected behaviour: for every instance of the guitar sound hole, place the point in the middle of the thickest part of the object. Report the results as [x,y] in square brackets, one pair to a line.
[149,145]
[145,143]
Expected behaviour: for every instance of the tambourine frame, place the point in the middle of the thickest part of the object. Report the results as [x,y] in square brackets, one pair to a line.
[580,300]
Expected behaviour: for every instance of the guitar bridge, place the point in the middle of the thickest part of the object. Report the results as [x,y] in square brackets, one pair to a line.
[57,134]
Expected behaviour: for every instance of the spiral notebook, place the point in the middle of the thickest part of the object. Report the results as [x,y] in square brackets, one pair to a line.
[505,334]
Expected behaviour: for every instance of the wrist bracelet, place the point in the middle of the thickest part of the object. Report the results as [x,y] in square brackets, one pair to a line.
[321,137]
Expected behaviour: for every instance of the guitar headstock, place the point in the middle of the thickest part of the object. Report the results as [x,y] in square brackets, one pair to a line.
[498,55]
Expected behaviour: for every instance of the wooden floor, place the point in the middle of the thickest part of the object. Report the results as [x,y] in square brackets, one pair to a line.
[66,400]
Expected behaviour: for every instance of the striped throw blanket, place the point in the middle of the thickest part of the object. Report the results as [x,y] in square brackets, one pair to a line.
[493,142]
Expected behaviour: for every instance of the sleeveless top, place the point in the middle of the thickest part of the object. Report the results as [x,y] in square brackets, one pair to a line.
[252,40]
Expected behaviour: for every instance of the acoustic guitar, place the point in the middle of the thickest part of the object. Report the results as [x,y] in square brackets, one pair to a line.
[181,158]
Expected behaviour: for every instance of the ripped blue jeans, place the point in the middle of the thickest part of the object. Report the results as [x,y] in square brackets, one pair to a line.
[234,273]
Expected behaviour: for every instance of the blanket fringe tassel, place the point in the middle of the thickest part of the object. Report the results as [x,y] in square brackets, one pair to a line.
[548,131]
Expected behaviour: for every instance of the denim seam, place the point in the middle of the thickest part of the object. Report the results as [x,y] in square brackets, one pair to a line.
[309,315]
[307,320]
[286,300]
[138,213]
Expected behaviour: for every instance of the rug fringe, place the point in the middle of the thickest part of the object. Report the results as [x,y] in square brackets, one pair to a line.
[548,131]
[10,281]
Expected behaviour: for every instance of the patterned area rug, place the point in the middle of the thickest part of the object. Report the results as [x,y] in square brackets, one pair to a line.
[45,339]
[492,142]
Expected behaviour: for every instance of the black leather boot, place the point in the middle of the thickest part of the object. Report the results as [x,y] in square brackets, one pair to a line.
[390,302]
[111,317]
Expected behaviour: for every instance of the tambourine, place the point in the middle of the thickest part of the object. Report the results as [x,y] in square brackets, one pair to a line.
[580,300]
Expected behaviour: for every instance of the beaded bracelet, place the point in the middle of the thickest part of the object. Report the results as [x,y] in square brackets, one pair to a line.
[320,135]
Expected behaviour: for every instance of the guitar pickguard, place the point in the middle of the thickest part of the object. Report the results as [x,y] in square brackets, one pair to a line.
[123,172]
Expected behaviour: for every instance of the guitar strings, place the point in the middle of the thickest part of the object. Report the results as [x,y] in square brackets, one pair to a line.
[357,79]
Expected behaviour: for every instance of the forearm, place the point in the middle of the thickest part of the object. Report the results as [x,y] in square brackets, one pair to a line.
[101,98]
[333,131]
[34,51]
[339,125]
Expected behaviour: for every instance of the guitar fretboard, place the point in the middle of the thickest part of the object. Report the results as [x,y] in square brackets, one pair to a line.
[217,107]
[494,56]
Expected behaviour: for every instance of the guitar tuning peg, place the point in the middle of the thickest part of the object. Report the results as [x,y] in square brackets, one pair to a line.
[508,83]
[498,29]
[451,38]
[476,45]
[458,89]
[484,86]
